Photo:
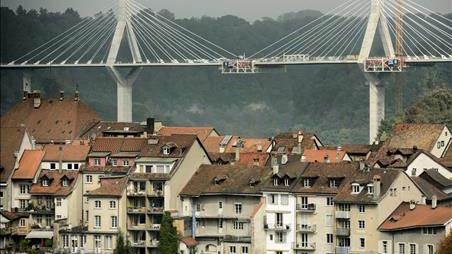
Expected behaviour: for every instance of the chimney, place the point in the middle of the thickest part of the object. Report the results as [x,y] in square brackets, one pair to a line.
[25,96]
[434,201]
[33,143]
[61,95]
[412,205]
[414,149]
[300,137]
[275,165]
[36,99]
[77,95]
[237,150]
[377,186]
[362,165]
[326,158]
[26,83]
[60,157]
[222,148]
[284,159]
[150,125]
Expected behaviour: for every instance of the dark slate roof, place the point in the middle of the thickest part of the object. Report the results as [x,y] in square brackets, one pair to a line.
[437,177]
[180,144]
[226,179]
[292,170]
[428,189]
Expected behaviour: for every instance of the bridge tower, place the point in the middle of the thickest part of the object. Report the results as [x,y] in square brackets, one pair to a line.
[376,87]
[125,82]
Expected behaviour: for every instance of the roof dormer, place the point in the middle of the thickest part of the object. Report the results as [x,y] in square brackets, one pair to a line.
[168,148]
[356,188]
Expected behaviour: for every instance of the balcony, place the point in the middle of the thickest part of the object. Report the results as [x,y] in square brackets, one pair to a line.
[155,210]
[155,227]
[136,227]
[138,244]
[342,231]
[136,193]
[342,250]
[155,193]
[153,244]
[342,215]
[136,210]
[304,246]
[277,227]
[305,208]
[306,228]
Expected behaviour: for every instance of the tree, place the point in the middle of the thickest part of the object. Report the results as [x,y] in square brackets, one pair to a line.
[169,241]
[445,246]
[122,248]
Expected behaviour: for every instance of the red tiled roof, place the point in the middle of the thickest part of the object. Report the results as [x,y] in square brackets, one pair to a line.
[334,156]
[55,187]
[10,141]
[116,144]
[201,132]
[250,145]
[13,215]
[69,152]
[189,241]
[289,140]
[29,165]
[110,187]
[54,120]
[180,145]
[421,216]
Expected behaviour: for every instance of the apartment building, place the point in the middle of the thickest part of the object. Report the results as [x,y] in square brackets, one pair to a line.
[56,197]
[164,166]
[14,226]
[365,202]
[414,229]
[220,204]
[314,194]
[105,219]
[280,206]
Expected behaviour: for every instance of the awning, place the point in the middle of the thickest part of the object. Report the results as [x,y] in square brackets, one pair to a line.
[40,235]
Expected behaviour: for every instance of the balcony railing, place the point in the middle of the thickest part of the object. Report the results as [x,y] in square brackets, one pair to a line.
[153,244]
[136,227]
[342,231]
[306,228]
[342,250]
[138,244]
[157,210]
[136,193]
[277,226]
[306,208]
[342,215]
[136,210]
[304,246]
[155,193]
[155,227]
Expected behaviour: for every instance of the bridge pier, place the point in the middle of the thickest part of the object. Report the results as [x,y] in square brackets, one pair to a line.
[124,90]
[377,92]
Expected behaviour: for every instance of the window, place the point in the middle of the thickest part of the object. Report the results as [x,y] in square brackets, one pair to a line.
[361,224]
[413,248]
[286,182]
[97,241]
[370,189]
[280,237]
[385,246]
[69,166]
[65,241]
[39,219]
[271,237]
[284,199]
[362,208]
[97,204]
[97,162]
[329,201]
[97,221]
[198,207]
[329,238]
[307,183]
[114,162]
[275,181]
[58,202]
[429,231]
[430,249]
[413,172]
[89,178]
[355,188]
[273,199]
[220,205]
[220,223]
[45,182]
[238,208]
[238,225]
[362,243]
[108,242]
[64,182]
[112,204]
[52,165]
[24,188]
[344,207]
[245,250]
[22,223]
[232,249]
[114,221]
[125,163]
[75,165]
[333,183]
[23,203]
[401,248]
[166,150]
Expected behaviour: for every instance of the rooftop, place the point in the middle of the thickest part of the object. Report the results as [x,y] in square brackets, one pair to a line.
[115,145]
[201,132]
[323,155]
[55,186]
[69,152]
[421,216]
[11,139]
[423,136]
[110,187]
[29,165]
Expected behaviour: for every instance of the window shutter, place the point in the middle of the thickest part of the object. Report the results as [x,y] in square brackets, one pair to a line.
[380,246]
[389,246]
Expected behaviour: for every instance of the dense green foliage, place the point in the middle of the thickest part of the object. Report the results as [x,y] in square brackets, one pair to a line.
[330,100]
[122,247]
[169,241]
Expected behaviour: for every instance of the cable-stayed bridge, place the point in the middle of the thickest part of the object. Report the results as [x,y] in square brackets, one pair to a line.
[132,36]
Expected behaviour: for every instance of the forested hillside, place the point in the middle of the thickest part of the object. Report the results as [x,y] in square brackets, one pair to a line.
[330,100]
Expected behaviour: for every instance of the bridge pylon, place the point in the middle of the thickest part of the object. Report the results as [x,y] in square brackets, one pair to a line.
[377,22]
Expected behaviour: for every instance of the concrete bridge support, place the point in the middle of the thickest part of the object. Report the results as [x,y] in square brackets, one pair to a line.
[377,93]
[124,92]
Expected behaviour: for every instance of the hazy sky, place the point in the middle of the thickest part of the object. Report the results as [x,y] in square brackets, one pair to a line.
[249,9]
